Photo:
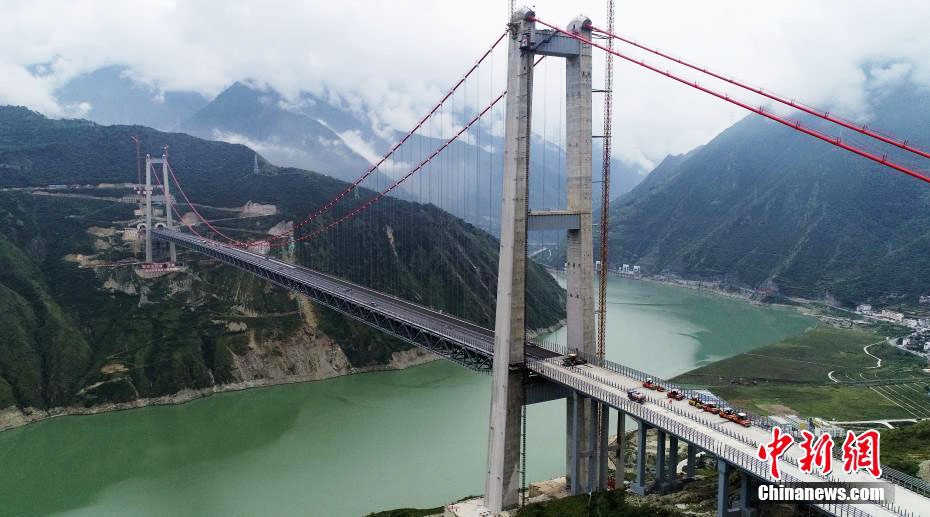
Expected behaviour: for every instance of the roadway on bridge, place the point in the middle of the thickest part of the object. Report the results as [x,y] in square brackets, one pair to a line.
[596,381]
[467,334]
[735,443]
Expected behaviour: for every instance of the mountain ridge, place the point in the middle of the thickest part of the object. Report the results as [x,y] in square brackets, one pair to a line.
[762,206]
[89,332]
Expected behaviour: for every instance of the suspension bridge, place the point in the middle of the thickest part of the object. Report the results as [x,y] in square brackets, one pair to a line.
[467,181]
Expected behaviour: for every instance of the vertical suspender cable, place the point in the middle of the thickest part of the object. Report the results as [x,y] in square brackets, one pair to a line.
[605,185]
[603,416]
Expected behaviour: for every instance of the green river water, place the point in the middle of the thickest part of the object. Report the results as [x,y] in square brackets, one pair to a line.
[350,445]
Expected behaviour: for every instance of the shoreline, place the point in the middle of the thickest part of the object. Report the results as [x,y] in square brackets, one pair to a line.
[713,291]
[13,417]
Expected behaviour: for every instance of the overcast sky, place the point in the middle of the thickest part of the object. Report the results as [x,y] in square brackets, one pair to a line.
[394,57]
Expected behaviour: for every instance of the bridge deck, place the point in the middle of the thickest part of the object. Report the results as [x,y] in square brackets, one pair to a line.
[734,443]
[472,345]
[456,339]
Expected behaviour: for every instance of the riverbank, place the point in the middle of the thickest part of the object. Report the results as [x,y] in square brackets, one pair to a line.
[12,417]
[830,373]
[282,450]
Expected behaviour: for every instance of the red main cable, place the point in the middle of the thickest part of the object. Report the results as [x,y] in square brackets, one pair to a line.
[194,209]
[329,204]
[377,197]
[794,124]
[175,210]
[859,128]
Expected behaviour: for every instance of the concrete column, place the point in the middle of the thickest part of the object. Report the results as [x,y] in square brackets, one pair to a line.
[639,486]
[503,473]
[580,254]
[620,461]
[673,460]
[168,209]
[689,468]
[148,209]
[723,488]
[745,485]
[603,448]
[660,460]
[592,456]
[571,472]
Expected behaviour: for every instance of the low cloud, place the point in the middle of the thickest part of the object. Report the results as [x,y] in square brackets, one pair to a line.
[393,60]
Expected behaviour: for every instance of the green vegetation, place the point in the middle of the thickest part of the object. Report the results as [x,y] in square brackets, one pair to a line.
[607,504]
[824,373]
[762,206]
[807,357]
[906,447]
[65,339]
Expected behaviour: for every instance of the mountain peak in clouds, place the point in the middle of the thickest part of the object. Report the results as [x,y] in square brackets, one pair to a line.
[114,97]
[265,121]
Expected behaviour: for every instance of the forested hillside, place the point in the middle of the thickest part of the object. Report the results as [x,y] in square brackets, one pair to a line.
[76,331]
[763,206]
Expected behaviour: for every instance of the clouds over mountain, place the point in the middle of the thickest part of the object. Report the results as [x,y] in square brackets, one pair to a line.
[390,60]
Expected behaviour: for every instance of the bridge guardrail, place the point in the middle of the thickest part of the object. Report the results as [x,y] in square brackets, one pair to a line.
[734,456]
[892,475]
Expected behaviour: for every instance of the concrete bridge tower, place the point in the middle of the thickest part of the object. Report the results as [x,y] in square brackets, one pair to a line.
[586,450]
[169,223]
[502,487]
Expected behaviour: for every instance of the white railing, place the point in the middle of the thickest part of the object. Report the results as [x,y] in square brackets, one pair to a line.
[741,459]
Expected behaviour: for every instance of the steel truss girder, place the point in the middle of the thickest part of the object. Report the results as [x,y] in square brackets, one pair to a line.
[439,344]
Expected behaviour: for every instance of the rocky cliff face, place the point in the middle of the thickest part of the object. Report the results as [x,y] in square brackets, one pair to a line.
[83,328]
[253,334]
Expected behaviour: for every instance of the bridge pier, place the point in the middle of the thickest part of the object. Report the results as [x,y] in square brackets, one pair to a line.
[586,450]
[660,483]
[689,466]
[672,462]
[620,459]
[745,485]
[723,488]
[571,450]
[639,485]
[603,447]
[723,492]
